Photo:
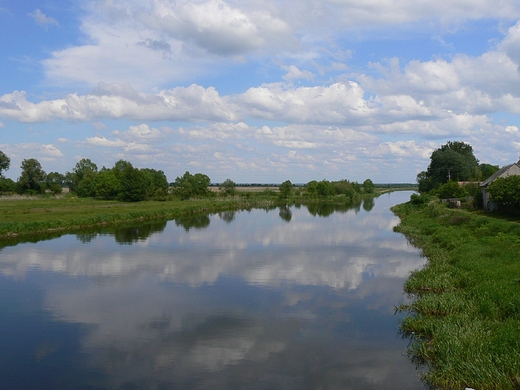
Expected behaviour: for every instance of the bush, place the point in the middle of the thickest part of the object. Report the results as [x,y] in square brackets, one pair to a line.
[418,199]
[451,189]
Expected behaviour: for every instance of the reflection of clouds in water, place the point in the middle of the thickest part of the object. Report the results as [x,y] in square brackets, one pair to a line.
[301,332]
[146,333]
[338,251]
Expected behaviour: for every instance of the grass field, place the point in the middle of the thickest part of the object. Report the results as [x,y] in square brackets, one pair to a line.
[34,215]
[464,316]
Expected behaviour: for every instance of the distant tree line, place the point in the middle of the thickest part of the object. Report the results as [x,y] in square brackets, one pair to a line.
[127,183]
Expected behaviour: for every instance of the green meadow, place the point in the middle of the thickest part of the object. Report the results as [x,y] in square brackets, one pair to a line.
[463,321]
[42,215]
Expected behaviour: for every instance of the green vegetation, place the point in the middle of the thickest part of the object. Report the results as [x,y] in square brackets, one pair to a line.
[506,193]
[117,194]
[464,312]
[37,215]
[125,194]
[453,161]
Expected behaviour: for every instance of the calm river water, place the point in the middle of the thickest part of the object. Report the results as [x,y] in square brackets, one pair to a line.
[288,298]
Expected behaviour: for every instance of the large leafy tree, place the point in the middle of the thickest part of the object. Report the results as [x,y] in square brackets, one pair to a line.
[106,184]
[4,163]
[189,185]
[452,161]
[32,177]
[134,184]
[82,177]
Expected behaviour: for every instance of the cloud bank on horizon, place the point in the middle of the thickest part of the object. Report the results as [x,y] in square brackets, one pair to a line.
[259,91]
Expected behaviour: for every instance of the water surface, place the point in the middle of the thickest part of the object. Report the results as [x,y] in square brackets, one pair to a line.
[287,298]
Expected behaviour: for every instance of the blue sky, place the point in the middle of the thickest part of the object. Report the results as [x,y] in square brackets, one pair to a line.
[259,91]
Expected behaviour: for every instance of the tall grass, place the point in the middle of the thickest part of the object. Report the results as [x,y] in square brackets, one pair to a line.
[463,321]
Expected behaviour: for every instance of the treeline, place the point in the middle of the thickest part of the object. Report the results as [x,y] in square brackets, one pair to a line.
[127,183]
[123,181]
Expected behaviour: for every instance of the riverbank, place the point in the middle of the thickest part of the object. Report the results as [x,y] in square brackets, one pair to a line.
[40,215]
[32,216]
[463,321]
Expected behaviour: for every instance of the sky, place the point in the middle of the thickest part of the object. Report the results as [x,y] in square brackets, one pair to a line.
[259,91]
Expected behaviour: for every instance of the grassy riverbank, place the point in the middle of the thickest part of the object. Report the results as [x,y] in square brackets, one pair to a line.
[37,215]
[33,216]
[464,316]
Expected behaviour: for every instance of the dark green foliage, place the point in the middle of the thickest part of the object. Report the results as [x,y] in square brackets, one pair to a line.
[7,185]
[228,187]
[156,181]
[286,189]
[454,160]
[451,189]
[84,169]
[368,186]
[134,184]
[190,185]
[86,186]
[344,187]
[107,185]
[55,182]
[325,188]
[32,177]
[4,163]
[487,170]
[418,199]
[506,192]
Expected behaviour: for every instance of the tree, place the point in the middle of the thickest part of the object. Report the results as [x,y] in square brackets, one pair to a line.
[344,187]
[133,184]
[55,182]
[191,185]
[487,170]
[7,185]
[157,182]
[453,160]
[228,187]
[106,184]
[286,189]
[84,169]
[32,176]
[368,186]
[86,186]
[312,188]
[325,188]
[4,163]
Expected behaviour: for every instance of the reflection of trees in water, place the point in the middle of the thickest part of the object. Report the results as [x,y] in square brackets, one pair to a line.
[285,213]
[326,209]
[227,216]
[368,204]
[85,238]
[132,234]
[198,222]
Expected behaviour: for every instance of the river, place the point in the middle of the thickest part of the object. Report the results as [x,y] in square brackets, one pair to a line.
[286,298]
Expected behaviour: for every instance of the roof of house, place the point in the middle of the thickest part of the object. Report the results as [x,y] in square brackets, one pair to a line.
[497,174]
